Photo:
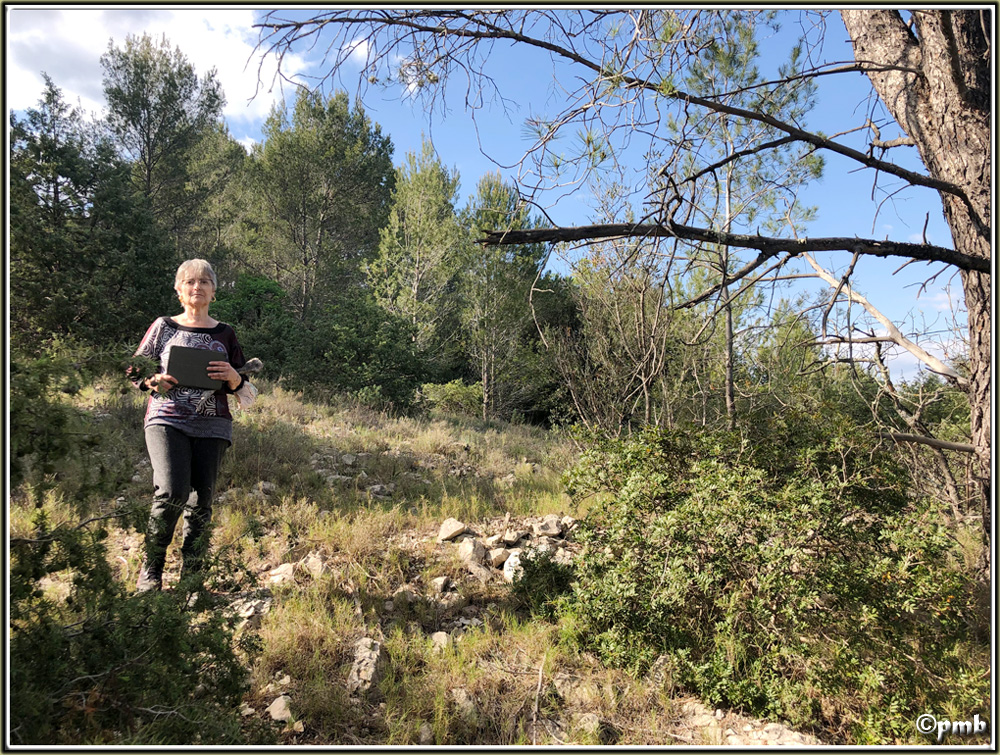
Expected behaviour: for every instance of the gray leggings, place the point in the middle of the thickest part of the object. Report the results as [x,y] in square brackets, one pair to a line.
[184,472]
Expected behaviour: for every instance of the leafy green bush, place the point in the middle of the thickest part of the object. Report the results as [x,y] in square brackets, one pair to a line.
[783,571]
[101,666]
[453,398]
[542,581]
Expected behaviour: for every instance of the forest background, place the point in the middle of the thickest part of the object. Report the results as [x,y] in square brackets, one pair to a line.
[360,276]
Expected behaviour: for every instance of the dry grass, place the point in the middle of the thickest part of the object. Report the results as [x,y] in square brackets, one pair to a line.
[506,681]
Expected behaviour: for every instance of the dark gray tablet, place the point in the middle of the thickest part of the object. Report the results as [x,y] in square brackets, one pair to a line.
[190,367]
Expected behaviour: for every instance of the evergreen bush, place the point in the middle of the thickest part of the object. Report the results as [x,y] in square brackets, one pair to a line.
[102,666]
[783,571]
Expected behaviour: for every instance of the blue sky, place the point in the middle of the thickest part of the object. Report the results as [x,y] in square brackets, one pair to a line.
[67,42]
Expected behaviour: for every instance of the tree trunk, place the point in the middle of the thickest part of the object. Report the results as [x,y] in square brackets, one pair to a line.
[940,96]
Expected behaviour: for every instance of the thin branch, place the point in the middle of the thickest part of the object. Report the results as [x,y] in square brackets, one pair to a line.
[895,335]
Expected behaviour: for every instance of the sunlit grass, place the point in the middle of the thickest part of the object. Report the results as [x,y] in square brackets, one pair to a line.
[297,483]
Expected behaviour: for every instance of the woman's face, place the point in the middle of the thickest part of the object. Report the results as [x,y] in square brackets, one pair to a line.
[195,289]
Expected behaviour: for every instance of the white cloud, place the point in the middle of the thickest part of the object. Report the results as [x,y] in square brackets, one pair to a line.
[357,52]
[68,42]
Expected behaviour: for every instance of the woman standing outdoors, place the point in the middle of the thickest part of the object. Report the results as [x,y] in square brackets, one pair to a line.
[186,436]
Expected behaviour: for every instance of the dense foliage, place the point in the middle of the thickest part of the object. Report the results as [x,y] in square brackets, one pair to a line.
[783,570]
[103,666]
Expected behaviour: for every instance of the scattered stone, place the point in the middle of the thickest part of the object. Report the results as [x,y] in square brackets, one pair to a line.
[247,711]
[441,585]
[441,640]
[348,460]
[482,573]
[512,568]
[463,704]
[314,564]
[450,529]
[369,665]
[279,710]
[380,491]
[603,731]
[405,596]
[550,526]
[283,573]
[512,537]
[426,735]
[471,551]
[497,556]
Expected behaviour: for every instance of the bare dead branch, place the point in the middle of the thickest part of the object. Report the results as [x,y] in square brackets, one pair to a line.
[894,333]
[768,246]
[946,445]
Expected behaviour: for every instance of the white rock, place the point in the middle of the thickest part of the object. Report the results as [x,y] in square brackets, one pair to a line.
[441,640]
[279,709]
[512,568]
[482,573]
[450,529]
[369,665]
[440,584]
[283,573]
[497,556]
[313,563]
[511,537]
[463,703]
[471,550]
[550,526]
[426,734]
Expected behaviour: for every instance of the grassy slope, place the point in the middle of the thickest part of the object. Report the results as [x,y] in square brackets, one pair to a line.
[523,685]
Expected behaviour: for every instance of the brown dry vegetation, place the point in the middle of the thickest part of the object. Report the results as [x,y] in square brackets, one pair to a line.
[505,678]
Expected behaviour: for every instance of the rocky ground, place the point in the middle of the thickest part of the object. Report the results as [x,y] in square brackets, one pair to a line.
[490,552]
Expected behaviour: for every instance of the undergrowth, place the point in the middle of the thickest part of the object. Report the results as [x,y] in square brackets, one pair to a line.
[785,573]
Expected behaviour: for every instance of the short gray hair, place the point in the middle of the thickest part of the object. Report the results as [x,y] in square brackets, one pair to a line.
[198,267]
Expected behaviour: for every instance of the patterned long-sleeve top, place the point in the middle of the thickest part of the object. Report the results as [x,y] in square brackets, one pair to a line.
[179,406]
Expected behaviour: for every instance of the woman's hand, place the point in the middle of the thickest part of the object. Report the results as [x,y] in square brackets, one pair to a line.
[224,371]
[161,382]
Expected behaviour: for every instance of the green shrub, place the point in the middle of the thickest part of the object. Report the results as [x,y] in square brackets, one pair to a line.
[783,572]
[453,398]
[101,666]
[542,581]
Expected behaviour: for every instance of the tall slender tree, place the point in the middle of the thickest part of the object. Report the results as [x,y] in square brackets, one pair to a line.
[420,253]
[495,287]
[324,176]
[159,109]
